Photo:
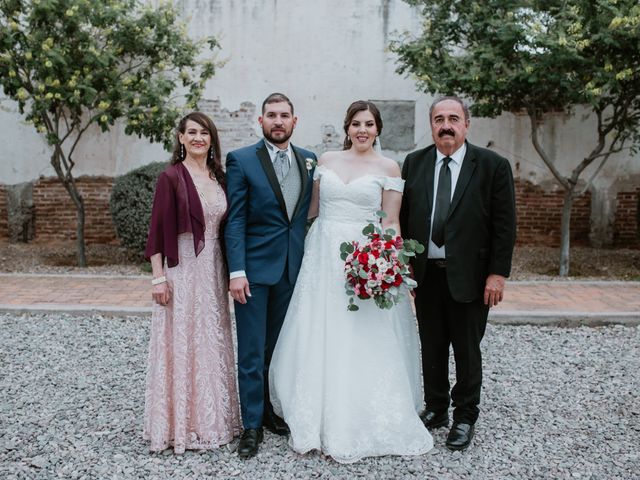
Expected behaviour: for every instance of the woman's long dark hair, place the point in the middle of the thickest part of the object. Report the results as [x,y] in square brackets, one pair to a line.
[214,161]
[354,108]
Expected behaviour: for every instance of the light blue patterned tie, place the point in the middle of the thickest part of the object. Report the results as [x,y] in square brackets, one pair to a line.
[281,165]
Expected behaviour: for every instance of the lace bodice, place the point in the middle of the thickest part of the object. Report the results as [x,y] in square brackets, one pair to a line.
[213,213]
[352,202]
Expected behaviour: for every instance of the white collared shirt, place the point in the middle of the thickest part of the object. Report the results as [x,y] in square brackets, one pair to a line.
[273,151]
[455,164]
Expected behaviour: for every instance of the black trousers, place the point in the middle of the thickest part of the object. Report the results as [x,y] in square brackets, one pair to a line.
[442,322]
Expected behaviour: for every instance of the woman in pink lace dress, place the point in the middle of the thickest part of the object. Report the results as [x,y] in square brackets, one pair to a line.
[191,399]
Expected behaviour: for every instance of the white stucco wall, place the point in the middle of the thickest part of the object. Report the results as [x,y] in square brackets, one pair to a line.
[323,54]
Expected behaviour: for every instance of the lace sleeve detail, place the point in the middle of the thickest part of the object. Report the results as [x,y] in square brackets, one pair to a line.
[394,183]
[317,173]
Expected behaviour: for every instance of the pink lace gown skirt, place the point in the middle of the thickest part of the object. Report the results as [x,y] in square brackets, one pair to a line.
[191,399]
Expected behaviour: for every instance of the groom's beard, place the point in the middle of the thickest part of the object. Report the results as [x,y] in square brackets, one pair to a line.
[279,136]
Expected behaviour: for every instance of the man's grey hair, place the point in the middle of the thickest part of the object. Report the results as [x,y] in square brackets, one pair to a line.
[464,106]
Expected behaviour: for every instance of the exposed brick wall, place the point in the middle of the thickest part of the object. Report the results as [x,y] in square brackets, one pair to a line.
[540,214]
[4,215]
[236,128]
[625,225]
[55,213]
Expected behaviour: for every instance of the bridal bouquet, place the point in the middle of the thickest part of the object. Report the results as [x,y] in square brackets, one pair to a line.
[378,267]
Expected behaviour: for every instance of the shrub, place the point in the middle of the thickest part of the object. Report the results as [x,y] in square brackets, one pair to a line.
[131,201]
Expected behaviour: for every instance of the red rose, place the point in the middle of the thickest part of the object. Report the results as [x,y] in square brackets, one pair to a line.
[388,245]
[398,281]
[363,295]
[385,286]
[399,242]
[363,258]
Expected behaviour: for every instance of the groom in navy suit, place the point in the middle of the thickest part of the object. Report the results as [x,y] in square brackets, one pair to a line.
[269,190]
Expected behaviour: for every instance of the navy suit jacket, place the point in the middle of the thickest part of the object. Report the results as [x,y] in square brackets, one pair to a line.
[480,229]
[260,238]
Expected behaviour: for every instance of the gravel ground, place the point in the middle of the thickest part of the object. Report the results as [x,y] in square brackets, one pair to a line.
[557,403]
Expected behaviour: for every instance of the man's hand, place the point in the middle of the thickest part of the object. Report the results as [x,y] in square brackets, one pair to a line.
[239,288]
[494,290]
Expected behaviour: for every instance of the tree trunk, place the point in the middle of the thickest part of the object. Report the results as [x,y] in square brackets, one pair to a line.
[565,237]
[82,258]
[72,189]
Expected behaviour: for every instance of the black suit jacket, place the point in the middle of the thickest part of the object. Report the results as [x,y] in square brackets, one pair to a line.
[481,226]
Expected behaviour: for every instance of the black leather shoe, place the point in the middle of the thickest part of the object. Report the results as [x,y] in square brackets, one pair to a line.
[460,436]
[249,442]
[275,424]
[433,419]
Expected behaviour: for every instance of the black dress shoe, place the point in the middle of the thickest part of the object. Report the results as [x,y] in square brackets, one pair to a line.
[433,419]
[275,424]
[249,442]
[460,436]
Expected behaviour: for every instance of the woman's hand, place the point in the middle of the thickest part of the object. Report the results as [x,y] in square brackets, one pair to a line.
[161,293]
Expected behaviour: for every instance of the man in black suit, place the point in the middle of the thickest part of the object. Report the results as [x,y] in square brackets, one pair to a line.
[459,201]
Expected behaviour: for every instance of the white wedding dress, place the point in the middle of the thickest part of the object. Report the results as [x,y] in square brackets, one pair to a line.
[347,383]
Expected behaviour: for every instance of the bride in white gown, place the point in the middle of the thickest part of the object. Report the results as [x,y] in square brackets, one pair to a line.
[348,383]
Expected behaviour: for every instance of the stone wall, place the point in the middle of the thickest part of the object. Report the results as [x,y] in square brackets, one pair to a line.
[539,216]
[625,228]
[4,215]
[55,213]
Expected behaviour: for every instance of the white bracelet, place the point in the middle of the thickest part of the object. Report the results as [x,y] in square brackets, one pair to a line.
[159,280]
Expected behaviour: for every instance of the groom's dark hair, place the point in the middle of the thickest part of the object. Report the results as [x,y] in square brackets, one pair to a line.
[277,98]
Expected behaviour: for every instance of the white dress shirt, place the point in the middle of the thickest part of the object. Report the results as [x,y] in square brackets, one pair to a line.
[454,166]
[273,151]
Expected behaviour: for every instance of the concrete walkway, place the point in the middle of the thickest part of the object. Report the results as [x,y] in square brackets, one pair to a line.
[533,302]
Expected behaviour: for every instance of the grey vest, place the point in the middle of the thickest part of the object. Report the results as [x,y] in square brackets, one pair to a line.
[291,187]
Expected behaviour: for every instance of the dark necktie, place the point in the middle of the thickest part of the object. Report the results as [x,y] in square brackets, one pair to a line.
[443,200]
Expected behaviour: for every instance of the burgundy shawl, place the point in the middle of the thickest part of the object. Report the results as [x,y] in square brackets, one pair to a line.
[176,209]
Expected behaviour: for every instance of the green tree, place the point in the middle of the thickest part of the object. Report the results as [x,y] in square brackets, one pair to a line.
[73,64]
[538,57]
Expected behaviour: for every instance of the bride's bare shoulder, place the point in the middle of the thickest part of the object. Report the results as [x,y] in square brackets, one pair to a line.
[328,158]
[390,167]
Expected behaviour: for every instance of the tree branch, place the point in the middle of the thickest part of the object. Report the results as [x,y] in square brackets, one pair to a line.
[533,117]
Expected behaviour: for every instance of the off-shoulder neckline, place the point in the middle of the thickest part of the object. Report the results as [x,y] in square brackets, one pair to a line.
[356,178]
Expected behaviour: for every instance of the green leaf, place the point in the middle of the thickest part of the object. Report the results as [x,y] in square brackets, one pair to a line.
[368,230]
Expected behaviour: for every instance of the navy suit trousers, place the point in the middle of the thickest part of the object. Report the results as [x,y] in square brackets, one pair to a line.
[258,323]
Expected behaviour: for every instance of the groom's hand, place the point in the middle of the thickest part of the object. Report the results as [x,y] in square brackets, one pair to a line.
[239,288]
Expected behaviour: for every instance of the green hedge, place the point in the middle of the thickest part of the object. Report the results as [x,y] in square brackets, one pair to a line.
[131,201]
